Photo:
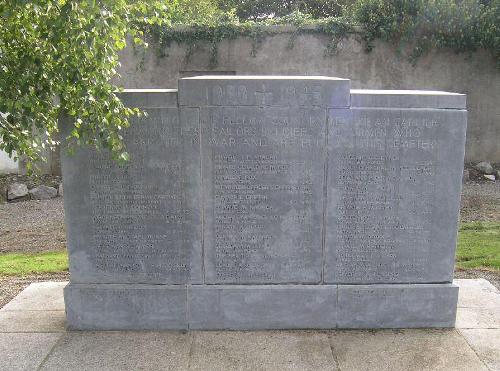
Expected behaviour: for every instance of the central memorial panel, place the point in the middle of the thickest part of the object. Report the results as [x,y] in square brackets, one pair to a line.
[263,194]
[263,154]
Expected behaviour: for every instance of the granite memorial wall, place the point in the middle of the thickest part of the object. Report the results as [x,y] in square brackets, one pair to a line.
[269,202]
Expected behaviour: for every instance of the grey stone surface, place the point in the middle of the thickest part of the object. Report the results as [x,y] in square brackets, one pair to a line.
[262,307]
[60,190]
[25,352]
[477,293]
[486,343]
[466,349]
[16,191]
[126,307]
[408,350]
[263,195]
[255,201]
[32,321]
[263,155]
[478,318]
[139,223]
[394,184]
[111,351]
[43,192]
[42,296]
[282,91]
[484,167]
[270,350]
[396,306]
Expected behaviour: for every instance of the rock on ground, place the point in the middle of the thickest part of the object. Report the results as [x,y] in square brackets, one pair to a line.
[43,192]
[16,191]
[484,167]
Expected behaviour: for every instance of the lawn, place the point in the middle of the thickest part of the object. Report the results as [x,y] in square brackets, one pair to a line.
[19,264]
[478,247]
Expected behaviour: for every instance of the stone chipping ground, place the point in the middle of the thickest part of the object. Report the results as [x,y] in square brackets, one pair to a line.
[34,226]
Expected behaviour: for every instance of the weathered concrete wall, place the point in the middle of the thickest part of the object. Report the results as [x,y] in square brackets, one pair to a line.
[7,165]
[384,68]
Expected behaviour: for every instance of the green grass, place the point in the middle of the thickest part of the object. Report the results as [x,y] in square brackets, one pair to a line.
[479,245]
[19,264]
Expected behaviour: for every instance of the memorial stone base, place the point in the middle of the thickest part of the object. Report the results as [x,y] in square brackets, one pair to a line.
[269,202]
[259,307]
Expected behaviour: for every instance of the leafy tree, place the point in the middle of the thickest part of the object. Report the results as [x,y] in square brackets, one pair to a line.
[462,25]
[257,9]
[58,57]
[61,56]
[199,11]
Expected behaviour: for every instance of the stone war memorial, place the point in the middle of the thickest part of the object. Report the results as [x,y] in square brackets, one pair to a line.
[269,202]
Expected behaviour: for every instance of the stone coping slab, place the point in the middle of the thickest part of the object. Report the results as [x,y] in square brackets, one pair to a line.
[277,91]
[407,99]
[263,77]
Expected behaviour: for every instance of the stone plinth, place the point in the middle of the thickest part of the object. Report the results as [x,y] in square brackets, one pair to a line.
[263,202]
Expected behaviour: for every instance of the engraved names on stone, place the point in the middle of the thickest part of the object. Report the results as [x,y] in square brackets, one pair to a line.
[383,196]
[263,158]
[263,202]
[142,227]
[264,193]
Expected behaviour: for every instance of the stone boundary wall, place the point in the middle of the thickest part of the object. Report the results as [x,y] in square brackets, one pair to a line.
[384,68]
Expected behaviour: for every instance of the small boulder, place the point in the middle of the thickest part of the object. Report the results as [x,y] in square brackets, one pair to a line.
[484,167]
[489,177]
[43,192]
[60,190]
[17,191]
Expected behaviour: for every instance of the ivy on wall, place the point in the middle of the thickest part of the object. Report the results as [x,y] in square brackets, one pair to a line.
[417,25]
[230,28]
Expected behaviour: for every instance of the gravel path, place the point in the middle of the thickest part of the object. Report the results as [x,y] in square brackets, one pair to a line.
[32,226]
[480,202]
